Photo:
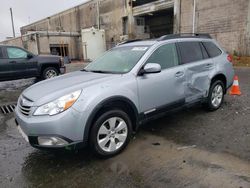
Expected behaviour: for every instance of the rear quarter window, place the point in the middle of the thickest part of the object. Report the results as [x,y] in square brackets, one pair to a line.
[190,52]
[212,49]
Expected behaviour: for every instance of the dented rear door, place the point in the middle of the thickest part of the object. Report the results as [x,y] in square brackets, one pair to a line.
[197,67]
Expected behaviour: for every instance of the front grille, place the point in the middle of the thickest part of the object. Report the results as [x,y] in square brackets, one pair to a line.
[25,110]
[24,106]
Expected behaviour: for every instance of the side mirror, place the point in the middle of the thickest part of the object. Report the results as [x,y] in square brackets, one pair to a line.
[29,56]
[150,68]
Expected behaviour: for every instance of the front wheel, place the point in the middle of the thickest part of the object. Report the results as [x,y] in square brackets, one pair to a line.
[49,72]
[111,133]
[215,96]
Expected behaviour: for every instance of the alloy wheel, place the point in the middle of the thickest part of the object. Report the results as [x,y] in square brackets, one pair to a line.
[217,96]
[51,74]
[112,134]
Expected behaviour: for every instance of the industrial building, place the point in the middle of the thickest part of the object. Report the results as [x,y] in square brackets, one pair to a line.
[104,23]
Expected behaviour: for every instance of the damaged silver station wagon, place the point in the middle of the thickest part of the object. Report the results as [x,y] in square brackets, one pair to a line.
[103,104]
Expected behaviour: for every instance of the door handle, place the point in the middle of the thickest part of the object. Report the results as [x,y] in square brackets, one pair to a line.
[209,65]
[179,74]
[12,61]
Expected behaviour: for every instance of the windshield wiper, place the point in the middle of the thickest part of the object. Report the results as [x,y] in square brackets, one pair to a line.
[84,70]
[102,72]
[95,71]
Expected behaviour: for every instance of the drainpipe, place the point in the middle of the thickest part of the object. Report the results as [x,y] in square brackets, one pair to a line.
[130,17]
[177,16]
[38,43]
[194,11]
[98,14]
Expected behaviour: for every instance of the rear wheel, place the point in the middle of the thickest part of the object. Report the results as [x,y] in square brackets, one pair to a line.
[49,72]
[111,133]
[215,96]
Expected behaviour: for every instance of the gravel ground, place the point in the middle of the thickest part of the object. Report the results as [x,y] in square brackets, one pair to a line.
[190,148]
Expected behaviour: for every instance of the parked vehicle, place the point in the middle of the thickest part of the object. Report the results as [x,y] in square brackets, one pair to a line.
[105,102]
[17,63]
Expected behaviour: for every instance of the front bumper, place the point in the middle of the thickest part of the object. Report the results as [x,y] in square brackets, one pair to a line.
[68,126]
[63,70]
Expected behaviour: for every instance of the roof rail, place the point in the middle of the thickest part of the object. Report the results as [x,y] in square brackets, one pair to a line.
[129,41]
[184,35]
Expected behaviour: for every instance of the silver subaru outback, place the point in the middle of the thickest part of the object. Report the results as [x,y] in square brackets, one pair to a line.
[103,104]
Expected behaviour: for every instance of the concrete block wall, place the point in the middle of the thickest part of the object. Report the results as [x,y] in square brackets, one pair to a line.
[111,13]
[64,21]
[84,16]
[13,42]
[225,20]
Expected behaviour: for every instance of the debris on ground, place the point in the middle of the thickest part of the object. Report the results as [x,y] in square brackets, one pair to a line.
[186,147]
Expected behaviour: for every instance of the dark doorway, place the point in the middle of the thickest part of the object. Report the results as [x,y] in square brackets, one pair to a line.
[159,23]
[141,2]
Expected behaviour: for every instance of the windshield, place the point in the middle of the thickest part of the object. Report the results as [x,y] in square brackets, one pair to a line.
[118,60]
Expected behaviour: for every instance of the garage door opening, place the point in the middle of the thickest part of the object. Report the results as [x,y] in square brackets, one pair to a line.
[156,24]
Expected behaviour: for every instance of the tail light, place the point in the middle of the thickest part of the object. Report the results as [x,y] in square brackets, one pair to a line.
[230,58]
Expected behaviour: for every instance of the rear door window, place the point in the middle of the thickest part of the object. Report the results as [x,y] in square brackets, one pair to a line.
[212,49]
[190,52]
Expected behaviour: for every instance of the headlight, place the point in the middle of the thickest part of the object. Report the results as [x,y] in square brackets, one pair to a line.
[59,105]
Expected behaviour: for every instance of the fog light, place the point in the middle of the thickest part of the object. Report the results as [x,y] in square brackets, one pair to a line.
[51,141]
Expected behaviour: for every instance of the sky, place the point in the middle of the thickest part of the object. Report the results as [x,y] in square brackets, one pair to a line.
[28,11]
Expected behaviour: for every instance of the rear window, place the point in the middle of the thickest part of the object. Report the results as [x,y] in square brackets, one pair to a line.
[190,52]
[212,49]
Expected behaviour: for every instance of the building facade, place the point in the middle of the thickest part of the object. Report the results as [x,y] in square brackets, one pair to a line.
[228,21]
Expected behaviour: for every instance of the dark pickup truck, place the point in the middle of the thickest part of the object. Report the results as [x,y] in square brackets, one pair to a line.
[17,63]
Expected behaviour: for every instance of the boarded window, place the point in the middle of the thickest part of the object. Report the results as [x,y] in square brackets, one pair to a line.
[1,53]
[125,25]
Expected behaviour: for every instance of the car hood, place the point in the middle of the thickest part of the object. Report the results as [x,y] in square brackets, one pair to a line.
[56,87]
[46,58]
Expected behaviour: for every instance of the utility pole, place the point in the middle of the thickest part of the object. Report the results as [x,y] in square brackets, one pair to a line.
[12,21]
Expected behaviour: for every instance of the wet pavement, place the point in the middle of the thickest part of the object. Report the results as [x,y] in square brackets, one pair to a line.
[190,148]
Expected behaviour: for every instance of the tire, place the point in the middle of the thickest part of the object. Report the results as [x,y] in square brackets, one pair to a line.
[49,72]
[216,96]
[107,142]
